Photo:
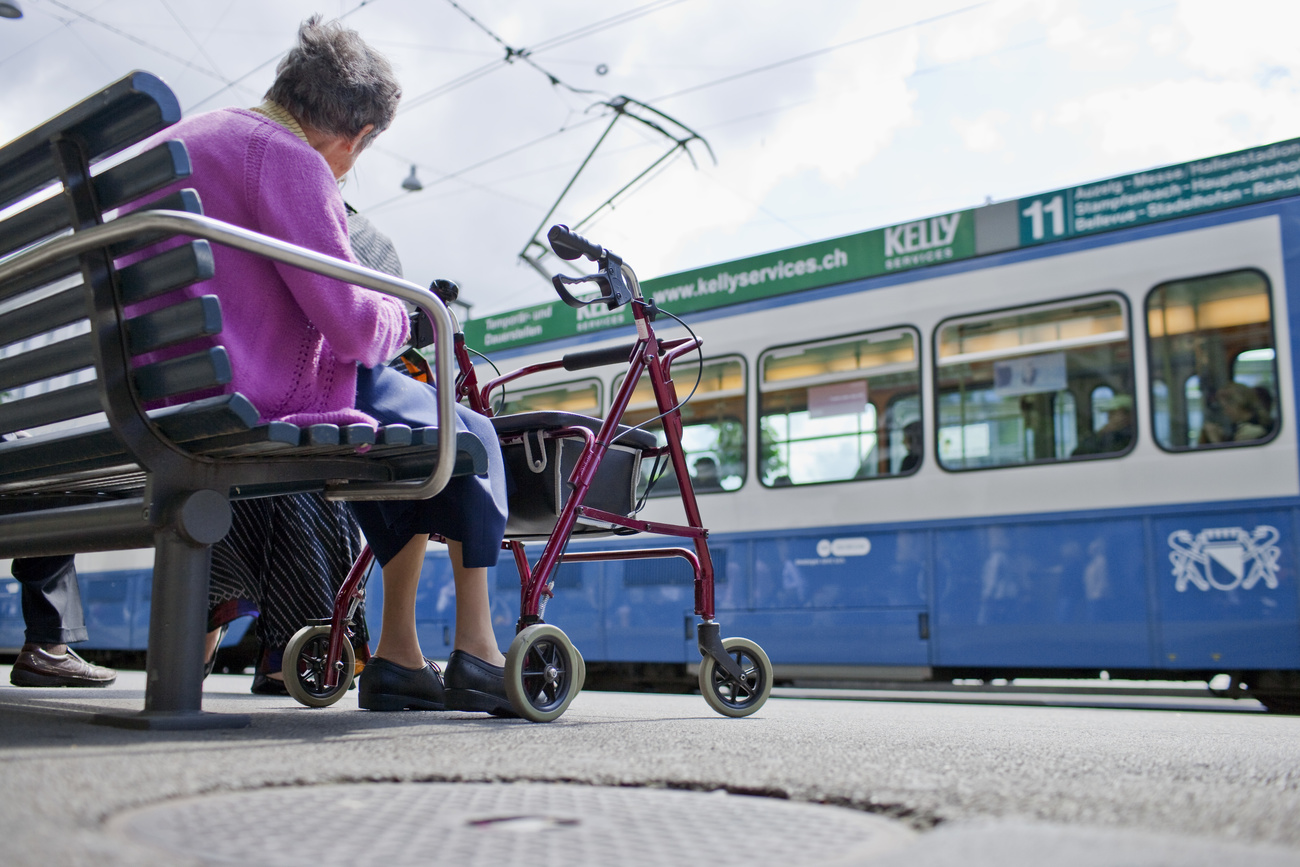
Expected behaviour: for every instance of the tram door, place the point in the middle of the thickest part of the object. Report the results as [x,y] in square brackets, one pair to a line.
[1225,582]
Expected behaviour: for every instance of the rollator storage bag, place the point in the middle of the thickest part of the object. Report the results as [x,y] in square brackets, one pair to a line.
[537,475]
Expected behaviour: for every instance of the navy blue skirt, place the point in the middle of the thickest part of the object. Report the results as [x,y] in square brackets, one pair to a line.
[470,510]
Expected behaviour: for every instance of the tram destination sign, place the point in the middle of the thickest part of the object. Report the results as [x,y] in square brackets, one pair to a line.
[1253,175]
[1241,178]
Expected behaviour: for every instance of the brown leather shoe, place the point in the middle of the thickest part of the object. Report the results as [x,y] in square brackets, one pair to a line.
[38,667]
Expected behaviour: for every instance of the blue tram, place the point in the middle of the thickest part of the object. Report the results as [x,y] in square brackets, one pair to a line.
[1045,437]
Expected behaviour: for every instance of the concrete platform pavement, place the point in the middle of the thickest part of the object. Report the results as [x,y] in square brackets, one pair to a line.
[906,784]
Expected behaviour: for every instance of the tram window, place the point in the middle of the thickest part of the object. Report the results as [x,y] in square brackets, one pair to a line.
[1213,361]
[713,426]
[581,396]
[840,409]
[1035,384]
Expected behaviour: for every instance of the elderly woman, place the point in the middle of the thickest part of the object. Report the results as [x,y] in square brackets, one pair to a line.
[308,349]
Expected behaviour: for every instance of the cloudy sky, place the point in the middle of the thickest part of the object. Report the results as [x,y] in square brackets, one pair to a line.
[826,117]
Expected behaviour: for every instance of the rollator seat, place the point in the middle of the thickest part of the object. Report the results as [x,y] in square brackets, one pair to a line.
[537,474]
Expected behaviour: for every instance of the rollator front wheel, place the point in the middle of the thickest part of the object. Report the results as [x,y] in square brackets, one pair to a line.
[304,669]
[544,673]
[731,697]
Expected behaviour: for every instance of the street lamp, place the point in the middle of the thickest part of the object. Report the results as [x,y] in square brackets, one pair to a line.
[412,183]
[10,9]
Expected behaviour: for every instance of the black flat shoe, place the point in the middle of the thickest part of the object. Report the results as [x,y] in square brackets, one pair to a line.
[263,685]
[475,685]
[388,686]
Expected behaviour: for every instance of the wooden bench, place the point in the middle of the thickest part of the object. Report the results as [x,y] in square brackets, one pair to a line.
[83,465]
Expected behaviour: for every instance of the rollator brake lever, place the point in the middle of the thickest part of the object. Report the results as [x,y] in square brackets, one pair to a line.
[569,245]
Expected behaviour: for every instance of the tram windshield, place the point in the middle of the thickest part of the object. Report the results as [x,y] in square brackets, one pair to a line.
[1052,382]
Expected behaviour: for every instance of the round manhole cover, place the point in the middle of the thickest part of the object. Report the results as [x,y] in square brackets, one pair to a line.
[536,824]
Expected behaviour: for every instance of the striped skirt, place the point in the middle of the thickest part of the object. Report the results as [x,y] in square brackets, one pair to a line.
[283,560]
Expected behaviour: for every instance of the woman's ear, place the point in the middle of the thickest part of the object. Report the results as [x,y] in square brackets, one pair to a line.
[355,145]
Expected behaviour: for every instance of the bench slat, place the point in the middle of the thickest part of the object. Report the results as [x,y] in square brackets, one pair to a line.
[48,361]
[139,176]
[208,417]
[194,372]
[393,435]
[320,435]
[273,436]
[120,185]
[95,446]
[75,401]
[197,317]
[413,462]
[45,315]
[28,226]
[181,200]
[127,111]
[171,269]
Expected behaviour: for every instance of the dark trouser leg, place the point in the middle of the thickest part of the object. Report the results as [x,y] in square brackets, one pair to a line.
[51,600]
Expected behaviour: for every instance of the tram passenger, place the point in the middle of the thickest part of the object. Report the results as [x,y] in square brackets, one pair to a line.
[912,442]
[53,619]
[1113,436]
[1246,417]
[706,476]
[308,349]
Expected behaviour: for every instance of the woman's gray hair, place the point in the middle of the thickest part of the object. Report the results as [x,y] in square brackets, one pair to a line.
[334,82]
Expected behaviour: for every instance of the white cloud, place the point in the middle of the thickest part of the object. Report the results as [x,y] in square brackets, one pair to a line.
[1173,121]
[1239,88]
[982,134]
[1241,40]
[992,28]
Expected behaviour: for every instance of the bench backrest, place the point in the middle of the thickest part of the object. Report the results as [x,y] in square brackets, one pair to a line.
[68,175]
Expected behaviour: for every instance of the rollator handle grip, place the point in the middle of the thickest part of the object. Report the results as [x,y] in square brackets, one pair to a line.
[569,245]
[446,290]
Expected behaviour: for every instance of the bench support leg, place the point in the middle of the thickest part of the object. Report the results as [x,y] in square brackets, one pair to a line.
[178,621]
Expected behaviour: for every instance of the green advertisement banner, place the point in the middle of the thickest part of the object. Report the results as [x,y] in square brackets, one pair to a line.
[1252,175]
[944,238]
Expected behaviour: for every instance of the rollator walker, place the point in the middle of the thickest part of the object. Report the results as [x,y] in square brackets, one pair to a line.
[573,476]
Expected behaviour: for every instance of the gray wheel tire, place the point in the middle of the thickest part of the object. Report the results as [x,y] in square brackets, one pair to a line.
[737,699]
[544,673]
[304,667]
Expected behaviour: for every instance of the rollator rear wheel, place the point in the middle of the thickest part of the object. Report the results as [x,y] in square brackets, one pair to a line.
[544,673]
[725,694]
[304,667]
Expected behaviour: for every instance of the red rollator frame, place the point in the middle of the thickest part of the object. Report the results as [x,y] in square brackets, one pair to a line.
[544,672]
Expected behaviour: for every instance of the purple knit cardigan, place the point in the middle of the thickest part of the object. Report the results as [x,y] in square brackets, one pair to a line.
[294,338]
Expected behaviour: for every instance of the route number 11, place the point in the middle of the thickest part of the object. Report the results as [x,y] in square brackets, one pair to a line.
[1055,208]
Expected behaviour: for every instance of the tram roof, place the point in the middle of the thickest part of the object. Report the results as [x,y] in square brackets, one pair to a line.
[1230,180]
